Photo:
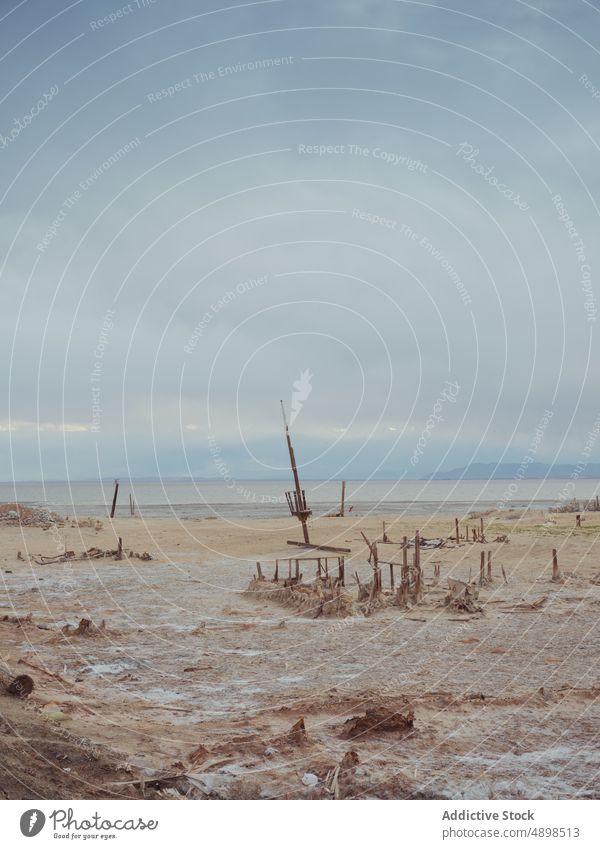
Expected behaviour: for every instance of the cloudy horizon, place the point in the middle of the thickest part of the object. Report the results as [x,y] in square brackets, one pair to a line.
[381,212]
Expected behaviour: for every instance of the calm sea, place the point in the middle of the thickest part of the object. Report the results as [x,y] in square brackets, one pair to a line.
[266,498]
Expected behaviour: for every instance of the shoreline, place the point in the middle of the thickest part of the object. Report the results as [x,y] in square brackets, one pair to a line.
[180,664]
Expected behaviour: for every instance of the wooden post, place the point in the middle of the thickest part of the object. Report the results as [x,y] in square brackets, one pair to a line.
[504,575]
[417,550]
[130,505]
[467,534]
[482,568]
[489,565]
[290,569]
[597,503]
[436,573]
[404,585]
[482,535]
[276,576]
[418,585]
[578,520]
[120,549]
[391,576]
[456,528]
[114,501]
[326,568]
[318,567]
[259,574]
[474,535]
[297,570]
[341,565]
[555,572]
[385,539]
[404,552]
[343,501]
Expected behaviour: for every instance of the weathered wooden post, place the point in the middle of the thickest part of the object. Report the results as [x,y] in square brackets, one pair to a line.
[343,501]
[114,501]
[341,569]
[276,575]
[298,502]
[555,572]
[482,568]
[120,549]
[456,528]
[578,520]
[481,533]
[489,565]
[418,586]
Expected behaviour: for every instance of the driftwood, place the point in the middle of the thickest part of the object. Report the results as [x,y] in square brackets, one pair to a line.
[54,675]
[537,604]
[92,553]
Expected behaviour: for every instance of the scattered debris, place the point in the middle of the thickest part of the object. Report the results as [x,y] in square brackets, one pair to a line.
[17,515]
[20,621]
[92,553]
[323,597]
[530,605]
[378,719]
[88,522]
[350,760]
[85,628]
[20,686]
[574,506]
[297,733]
[462,596]
[199,754]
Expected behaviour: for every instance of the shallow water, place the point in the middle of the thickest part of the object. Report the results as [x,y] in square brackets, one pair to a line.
[265,499]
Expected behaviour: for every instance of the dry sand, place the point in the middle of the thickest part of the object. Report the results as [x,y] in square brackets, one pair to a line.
[192,676]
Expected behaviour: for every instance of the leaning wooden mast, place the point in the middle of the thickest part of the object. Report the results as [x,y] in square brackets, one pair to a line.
[299,508]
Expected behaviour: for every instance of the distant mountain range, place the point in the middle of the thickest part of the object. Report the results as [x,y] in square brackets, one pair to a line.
[507,471]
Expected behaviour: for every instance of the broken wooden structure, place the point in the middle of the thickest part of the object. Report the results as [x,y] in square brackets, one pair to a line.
[462,596]
[325,595]
[296,499]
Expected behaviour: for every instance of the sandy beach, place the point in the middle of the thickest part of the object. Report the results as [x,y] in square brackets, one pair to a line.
[186,685]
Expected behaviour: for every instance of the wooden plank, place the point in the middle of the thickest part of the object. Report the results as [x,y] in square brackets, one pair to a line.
[319,547]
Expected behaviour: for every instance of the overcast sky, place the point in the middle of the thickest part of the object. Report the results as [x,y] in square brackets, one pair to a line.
[383,212]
